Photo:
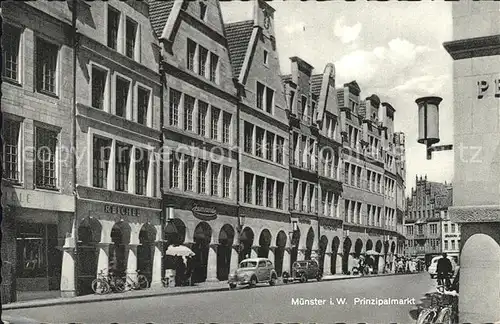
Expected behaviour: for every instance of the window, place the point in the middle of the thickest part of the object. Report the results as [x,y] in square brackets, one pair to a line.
[259,191]
[188,112]
[259,141]
[142,105]
[99,77]
[188,174]
[46,59]
[269,145]
[305,114]
[202,56]
[346,173]
[266,57]
[214,62]
[174,171]
[292,100]
[248,185]
[203,10]
[279,195]
[279,149]
[122,158]
[121,97]
[453,244]
[453,228]
[202,117]
[269,100]
[11,132]
[11,45]
[46,142]
[270,193]
[174,100]
[313,109]
[260,95]
[215,123]
[202,176]
[215,179]
[113,22]
[141,171]
[100,166]
[446,245]
[226,128]
[191,51]
[446,228]
[248,137]
[131,31]
[226,182]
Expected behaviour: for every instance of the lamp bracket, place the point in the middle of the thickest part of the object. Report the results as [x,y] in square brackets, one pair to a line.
[437,148]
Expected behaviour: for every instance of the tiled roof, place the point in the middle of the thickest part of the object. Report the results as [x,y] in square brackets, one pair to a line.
[362,108]
[340,97]
[159,10]
[316,81]
[238,37]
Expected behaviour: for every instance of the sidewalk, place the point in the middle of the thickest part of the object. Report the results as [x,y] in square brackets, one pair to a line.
[160,291]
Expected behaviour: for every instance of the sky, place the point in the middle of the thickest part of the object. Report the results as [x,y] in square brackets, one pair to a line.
[392,49]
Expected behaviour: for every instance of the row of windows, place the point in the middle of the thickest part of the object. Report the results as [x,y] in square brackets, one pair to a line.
[330,165]
[202,61]
[201,176]
[263,143]
[304,151]
[455,244]
[389,187]
[199,117]
[261,191]
[130,166]
[265,98]
[307,112]
[117,32]
[454,228]
[330,127]
[330,202]
[304,196]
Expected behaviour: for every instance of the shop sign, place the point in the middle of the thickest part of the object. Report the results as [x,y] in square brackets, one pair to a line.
[451,235]
[204,213]
[486,86]
[121,210]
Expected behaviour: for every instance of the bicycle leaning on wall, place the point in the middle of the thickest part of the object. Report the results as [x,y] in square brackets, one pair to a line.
[443,308]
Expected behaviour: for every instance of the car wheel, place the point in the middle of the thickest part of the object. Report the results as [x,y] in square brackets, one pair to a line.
[319,277]
[253,282]
[273,281]
[232,286]
[303,278]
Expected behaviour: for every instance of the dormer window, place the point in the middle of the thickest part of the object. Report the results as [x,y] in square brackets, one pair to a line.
[203,11]
[266,57]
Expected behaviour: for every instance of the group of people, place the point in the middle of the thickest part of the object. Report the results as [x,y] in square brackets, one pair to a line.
[408,265]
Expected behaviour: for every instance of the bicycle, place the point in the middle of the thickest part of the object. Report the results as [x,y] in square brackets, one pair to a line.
[140,283]
[441,311]
[104,284]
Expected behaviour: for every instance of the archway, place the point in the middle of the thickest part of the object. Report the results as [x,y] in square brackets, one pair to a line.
[89,234]
[295,248]
[202,237]
[175,232]
[226,238]
[279,252]
[335,251]
[345,255]
[264,243]
[120,238]
[358,247]
[369,245]
[385,257]
[323,244]
[246,242]
[145,250]
[378,248]
[393,247]
[370,259]
[309,244]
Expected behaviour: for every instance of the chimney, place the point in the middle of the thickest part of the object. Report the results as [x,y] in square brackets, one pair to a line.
[299,65]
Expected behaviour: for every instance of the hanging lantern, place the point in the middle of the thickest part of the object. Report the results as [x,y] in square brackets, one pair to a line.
[428,120]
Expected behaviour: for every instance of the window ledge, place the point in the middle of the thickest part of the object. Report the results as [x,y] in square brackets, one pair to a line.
[11,81]
[47,93]
[47,189]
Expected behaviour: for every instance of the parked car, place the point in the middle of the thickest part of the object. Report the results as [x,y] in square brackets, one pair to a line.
[303,271]
[433,266]
[253,271]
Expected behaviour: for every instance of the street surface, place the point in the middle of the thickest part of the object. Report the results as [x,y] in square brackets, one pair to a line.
[262,304]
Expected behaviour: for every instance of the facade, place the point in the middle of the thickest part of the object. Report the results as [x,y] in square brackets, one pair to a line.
[475,49]
[424,221]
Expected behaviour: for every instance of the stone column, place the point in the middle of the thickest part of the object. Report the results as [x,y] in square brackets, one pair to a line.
[212,263]
[327,264]
[338,264]
[103,258]
[68,278]
[350,262]
[272,255]
[157,264]
[286,260]
[381,264]
[131,271]
[255,249]
[234,259]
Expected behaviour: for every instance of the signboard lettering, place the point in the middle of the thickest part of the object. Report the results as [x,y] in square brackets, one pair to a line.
[121,210]
[483,86]
[204,213]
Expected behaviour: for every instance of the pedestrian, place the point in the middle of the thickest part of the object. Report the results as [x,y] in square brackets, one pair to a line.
[444,269]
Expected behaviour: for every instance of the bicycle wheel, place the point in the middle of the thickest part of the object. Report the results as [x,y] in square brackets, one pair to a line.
[426,316]
[142,282]
[118,285]
[100,286]
[445,316]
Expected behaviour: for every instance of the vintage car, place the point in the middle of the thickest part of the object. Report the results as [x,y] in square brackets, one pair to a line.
[303,271]
[253,271]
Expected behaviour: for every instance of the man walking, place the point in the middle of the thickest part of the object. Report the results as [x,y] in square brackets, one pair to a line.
[444,268]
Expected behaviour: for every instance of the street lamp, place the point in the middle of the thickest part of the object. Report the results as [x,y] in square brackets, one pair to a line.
[428,124]
[294,229]
[241,222]
[169,213]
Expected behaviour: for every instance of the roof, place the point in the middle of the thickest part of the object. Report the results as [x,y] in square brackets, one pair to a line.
[238,36]
[159,11]
[316,81]
[255,259]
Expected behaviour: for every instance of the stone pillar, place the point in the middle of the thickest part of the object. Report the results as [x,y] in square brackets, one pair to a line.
[212,263]
[381,264]
[338,264]
[131,249]
[254,251]
[350,262]
[327,262]
[234,259]
[68,277]
[272,255]
[103,258]
[286,260]
[157,264]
